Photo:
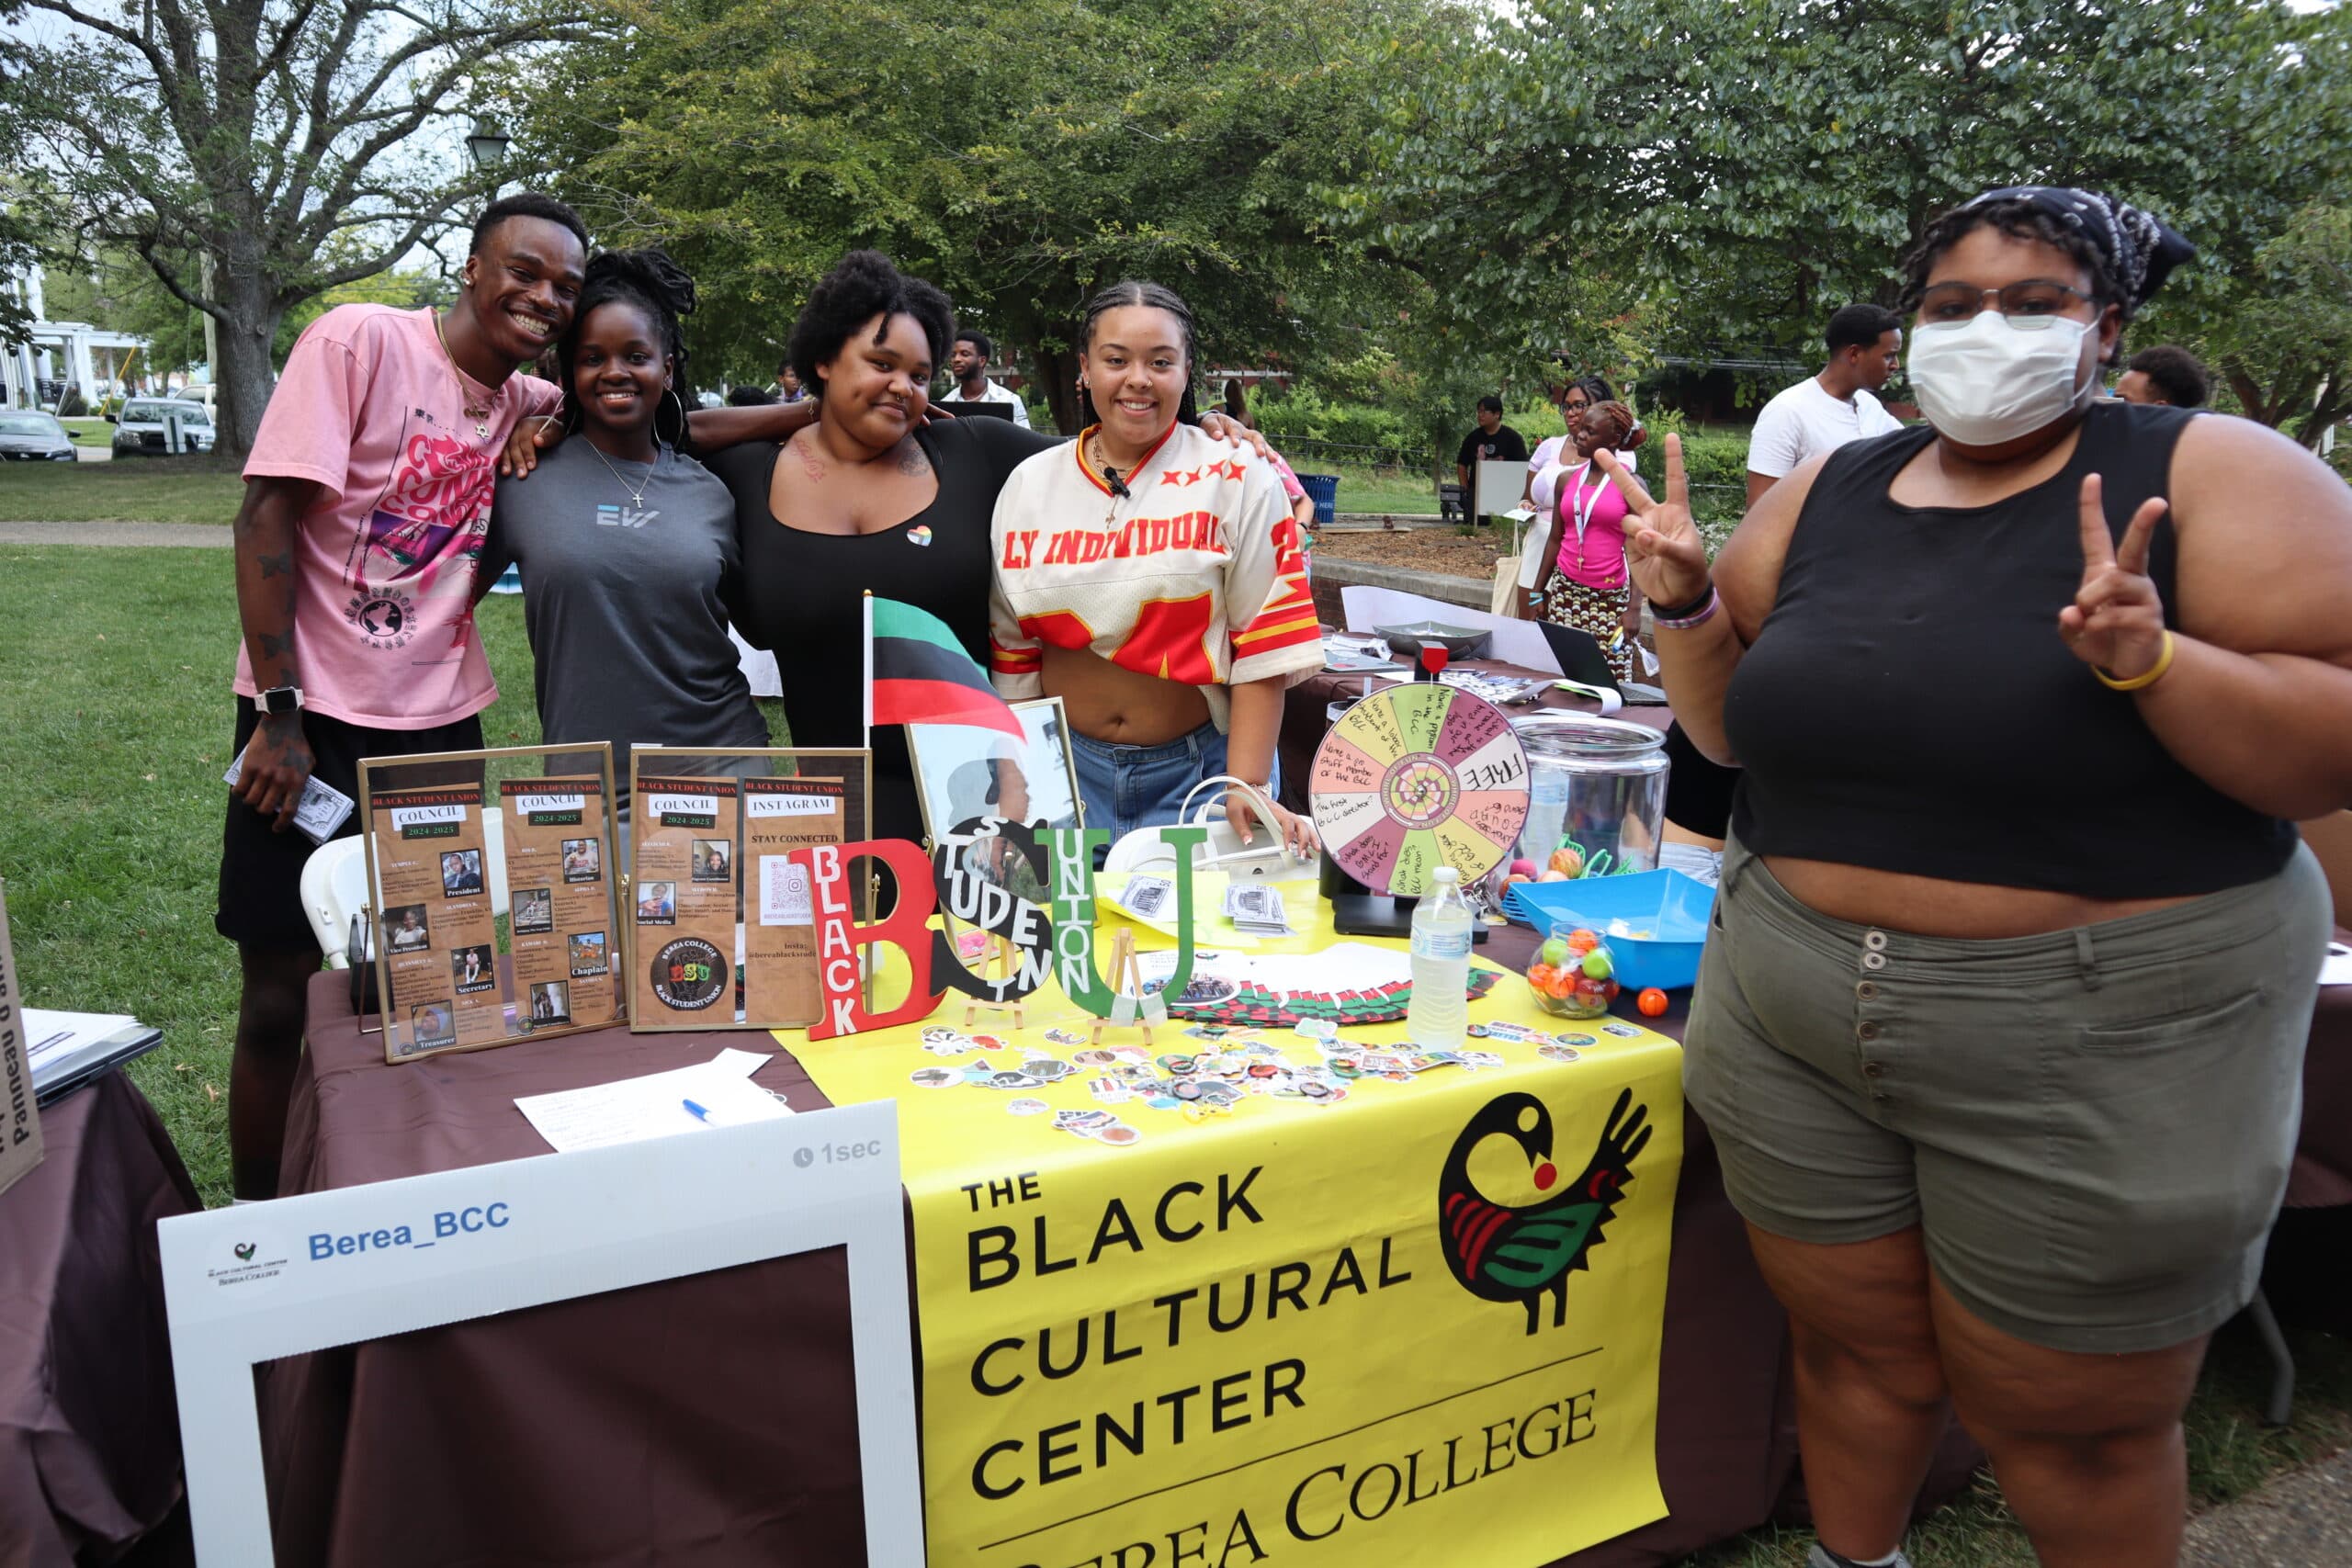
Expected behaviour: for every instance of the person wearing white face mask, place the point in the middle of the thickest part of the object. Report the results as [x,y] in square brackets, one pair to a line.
[1999,1033]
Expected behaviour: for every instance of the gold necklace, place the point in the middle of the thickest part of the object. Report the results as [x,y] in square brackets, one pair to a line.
[1110,476]
[637,496]
[480,415]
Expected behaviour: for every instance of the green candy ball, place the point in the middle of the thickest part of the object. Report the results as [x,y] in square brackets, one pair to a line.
[1556,952]
[1597,965]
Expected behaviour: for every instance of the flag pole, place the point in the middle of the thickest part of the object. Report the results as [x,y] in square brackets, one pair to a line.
[868,709]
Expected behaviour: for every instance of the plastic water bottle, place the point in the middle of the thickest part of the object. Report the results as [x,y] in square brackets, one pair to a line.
[1438,1018]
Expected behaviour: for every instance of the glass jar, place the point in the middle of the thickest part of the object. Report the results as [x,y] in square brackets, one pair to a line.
[1596,794]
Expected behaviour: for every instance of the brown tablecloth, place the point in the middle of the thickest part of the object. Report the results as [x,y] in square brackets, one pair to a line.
[709,1420]
[89,1430]
[724,1433]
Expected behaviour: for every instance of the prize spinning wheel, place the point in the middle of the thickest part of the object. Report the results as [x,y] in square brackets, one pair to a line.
[1415,777]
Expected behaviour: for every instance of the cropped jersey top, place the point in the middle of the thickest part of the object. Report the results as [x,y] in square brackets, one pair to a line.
[1195,575]
[1909,704]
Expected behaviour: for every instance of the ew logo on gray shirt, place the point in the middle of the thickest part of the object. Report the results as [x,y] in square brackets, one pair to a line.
[624,517]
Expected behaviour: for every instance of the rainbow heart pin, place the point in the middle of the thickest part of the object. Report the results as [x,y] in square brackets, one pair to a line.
[920,534]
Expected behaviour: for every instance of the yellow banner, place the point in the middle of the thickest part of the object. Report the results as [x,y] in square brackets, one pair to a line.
[1416,1323]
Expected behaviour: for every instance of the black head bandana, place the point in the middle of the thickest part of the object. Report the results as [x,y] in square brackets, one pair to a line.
[2139,250]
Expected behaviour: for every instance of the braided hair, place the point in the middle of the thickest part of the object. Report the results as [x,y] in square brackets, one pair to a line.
[1614,419]
[650,280]
[1151,296]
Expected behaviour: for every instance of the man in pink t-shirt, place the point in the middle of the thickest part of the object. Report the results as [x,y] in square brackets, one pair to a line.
[367,498]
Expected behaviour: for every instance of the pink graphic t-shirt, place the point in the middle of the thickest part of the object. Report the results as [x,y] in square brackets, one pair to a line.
[372,411]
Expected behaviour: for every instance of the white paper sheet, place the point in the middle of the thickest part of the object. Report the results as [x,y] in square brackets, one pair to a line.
[2337,968]
[1515,642]
[57,1044]
[654,1106]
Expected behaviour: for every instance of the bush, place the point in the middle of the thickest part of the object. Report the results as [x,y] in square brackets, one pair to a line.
[1304,423]
[71,406]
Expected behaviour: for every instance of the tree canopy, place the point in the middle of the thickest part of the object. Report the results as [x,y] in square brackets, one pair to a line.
[1727,175]
[286,142]
[1020,156]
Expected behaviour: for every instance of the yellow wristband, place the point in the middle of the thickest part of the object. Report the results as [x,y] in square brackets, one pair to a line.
[2147,677]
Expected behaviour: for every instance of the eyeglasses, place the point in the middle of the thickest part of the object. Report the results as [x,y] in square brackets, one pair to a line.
[1574,407]
[2031,305]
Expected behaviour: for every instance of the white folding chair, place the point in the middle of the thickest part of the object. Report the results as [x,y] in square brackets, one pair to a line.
[334,887]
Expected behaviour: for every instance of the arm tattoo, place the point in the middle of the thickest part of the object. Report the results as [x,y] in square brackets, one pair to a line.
[273,644]
[277,565]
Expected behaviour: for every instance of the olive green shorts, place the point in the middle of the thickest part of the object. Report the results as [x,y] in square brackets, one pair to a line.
[2091,1127]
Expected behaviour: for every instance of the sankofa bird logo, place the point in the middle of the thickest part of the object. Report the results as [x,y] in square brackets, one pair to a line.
[1523,1251]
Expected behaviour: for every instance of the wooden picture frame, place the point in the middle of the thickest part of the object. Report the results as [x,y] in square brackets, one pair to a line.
[712,928]
[455,840]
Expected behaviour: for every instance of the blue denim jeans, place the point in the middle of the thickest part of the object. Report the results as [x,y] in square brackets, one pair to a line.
[1126,787]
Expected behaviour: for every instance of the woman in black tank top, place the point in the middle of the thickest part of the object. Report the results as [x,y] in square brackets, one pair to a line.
[2016,689]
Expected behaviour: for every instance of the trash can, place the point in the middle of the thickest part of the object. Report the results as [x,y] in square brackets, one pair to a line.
[1324,491]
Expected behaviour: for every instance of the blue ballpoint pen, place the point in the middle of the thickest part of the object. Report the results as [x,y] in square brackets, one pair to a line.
[696,1111]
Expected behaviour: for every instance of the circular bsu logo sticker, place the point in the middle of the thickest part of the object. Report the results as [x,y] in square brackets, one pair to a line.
[688,975]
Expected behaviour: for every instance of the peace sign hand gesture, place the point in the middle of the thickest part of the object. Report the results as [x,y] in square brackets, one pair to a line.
[2116,621]
[1665,557]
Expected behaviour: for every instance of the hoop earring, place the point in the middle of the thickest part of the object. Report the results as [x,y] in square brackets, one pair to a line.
[681,415]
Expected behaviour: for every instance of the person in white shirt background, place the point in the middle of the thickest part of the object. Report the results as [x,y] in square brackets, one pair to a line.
[1823,412]
[967,375]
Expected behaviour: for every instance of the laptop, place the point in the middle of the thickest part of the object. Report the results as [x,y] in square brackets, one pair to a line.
[1582,661]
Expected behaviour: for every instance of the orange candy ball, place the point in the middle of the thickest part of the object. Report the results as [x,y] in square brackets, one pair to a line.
[1652,1003]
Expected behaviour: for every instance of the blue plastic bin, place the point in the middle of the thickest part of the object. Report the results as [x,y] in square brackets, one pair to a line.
[1673,907]
[1324,491]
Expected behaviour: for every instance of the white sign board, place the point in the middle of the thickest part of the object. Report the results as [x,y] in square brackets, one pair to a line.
[258,1281]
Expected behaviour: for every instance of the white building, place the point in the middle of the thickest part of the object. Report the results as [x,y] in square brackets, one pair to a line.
[60,351]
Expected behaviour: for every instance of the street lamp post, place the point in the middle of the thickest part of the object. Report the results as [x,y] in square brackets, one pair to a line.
[487,145]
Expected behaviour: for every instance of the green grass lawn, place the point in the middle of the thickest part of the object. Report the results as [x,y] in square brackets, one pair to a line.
[115,725]
[95,433]
[114,732]
[1398,491]
[145,489]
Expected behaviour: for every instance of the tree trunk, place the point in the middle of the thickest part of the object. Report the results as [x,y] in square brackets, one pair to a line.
[254,312]
[1057,368]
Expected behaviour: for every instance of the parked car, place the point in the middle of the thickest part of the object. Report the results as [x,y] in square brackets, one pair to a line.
[139,429]
[31,436]
[207,394]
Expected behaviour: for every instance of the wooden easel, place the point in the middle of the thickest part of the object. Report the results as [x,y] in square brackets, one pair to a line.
[1135,1011]
[999,959]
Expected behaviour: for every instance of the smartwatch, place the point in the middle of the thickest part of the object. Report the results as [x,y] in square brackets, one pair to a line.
[279,699]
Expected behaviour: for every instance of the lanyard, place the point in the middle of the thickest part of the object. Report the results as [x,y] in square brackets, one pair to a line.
[1581,508]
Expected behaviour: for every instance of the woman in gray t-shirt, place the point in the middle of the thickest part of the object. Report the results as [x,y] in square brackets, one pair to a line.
[627,545]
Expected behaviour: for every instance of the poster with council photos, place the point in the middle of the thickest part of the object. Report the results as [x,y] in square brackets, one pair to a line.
[683,902]
[437,934]
[456,840]
[560,902]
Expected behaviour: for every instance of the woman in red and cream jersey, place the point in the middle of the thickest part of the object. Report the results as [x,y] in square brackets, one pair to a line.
[1151,578]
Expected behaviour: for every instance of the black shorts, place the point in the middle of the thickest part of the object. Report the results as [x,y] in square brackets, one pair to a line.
[261,871]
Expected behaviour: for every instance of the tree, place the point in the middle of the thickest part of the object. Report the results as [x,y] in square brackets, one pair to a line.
[2280,335]
[1726,174]
[1018,155]
[117,290]
[259,133]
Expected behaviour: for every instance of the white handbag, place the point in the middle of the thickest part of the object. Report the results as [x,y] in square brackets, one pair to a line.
[1265,860]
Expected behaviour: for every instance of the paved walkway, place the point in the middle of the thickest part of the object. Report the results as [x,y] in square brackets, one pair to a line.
[199,533]
[2299,1521]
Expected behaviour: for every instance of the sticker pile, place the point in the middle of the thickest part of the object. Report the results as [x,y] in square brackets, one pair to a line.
[1229,1066]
